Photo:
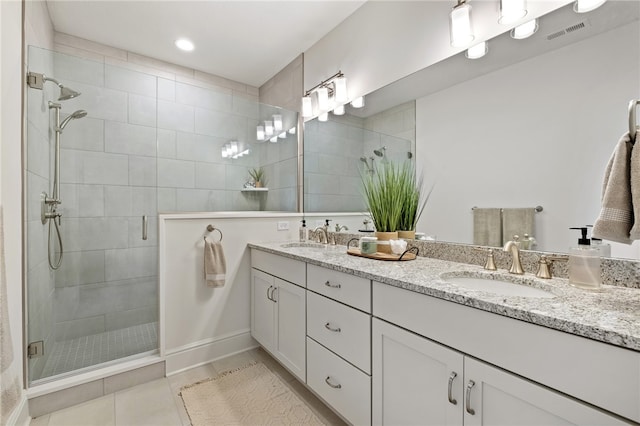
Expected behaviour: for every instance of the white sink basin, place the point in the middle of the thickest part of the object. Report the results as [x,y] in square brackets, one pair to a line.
[497,286]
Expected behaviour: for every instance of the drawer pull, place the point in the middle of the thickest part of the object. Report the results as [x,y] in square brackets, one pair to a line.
[328,284]
[338,386]
[268,293]
[470,386]
[328,327]
[451,379]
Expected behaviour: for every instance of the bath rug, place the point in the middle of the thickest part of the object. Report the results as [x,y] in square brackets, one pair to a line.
[250,395]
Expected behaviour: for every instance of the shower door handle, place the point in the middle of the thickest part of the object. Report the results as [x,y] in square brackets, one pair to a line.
[145,222]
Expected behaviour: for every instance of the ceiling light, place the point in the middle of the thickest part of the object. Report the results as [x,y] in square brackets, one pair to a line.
[512,10]
[323,117]
[184,44]
[277,122]
[340,84]
[477,51]
[582,6]
[260,133]
[525,30]
[307,108]
[358,102]
[323,99]
[460,25]
[274,139]
[339,110]
[268,128]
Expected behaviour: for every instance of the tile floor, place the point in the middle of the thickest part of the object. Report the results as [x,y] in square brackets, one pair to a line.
[74,354]
[157,403]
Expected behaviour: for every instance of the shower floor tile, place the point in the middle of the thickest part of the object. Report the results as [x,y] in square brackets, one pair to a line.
[73,354]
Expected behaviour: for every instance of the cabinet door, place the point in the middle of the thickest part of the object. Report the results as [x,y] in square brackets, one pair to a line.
[415,381]
[499,398]
[290,314]
[262,308]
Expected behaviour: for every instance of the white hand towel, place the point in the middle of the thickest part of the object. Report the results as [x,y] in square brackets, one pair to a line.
[518,222]
[616,215]
[487,230]
[215,266]
[635,188]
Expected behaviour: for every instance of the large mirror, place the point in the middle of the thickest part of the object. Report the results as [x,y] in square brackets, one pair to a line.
[533,123]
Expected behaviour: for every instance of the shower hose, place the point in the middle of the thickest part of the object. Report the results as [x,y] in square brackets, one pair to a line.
[52,264]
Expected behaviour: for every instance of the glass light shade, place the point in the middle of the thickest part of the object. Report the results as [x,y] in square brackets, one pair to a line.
[512,10]
[307,107]
[268,128]
[292,131]
[260,133]
[525,30]
[460,25]
[234,147]
[323,117]
[340,91]
[277,122]
[339,110]
[224,152]
[582,6]
[283,135]
[323,99]
[274,139]
[358,102]
[477,51]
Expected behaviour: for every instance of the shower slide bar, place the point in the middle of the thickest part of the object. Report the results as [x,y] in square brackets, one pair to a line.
[633,124]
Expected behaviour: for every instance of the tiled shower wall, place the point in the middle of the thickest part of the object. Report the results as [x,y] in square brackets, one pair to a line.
[332,152]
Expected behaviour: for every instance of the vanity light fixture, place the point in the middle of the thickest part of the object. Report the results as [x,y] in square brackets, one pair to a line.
[358,102]
[340,84]
[292,131]
[460,25]
[323,98]
[323,117]
[277,122]
[260,133]
[274,139]
[184,44]
[582,6]
[512,11]
[234,150]
[330,91]
[525,30]
[307,107]
[478,50]
[339,110]
[268,128]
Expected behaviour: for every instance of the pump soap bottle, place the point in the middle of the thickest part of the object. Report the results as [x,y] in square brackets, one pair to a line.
[304,235]
[584,264]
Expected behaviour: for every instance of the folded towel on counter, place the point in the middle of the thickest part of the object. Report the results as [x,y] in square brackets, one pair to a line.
[635,188]
[215,266]
[518,222]
[487,229]
[616,216]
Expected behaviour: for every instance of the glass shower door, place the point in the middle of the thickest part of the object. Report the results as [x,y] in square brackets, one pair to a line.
[92,285]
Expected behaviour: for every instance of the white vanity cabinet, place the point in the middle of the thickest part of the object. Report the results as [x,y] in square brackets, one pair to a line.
[278,314]
[419,382]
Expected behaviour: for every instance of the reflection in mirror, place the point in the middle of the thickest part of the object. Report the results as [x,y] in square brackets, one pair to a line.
[337,151]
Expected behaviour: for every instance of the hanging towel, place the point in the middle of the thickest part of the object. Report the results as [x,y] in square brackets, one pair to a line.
[635,188]
[215,266]
[616,216]
[518,222]
[487,230]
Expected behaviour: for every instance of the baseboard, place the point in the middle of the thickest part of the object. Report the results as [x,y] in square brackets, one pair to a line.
[191,356]
[20,414]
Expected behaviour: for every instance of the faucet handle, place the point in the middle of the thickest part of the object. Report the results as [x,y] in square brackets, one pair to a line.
[544,265]
[490,264]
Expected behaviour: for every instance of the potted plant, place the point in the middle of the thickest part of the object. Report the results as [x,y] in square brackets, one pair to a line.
[257,174]
[412,204]
[383,197]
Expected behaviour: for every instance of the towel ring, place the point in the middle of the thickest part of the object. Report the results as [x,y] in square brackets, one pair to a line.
[211,228]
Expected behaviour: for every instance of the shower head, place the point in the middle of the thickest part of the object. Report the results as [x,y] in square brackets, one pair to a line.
[77,114]
[66,93]
[380,152]
[409,155]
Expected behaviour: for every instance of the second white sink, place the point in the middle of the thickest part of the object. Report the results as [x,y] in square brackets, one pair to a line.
[496,286]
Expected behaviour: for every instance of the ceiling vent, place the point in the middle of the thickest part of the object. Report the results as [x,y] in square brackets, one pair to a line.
[565,31]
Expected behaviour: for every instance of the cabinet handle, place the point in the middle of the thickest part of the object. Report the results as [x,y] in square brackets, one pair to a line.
[470,386]
[328,327]
[451,379]
[273,295]
[328,284]
[268,295]
[145,222]
[338,386]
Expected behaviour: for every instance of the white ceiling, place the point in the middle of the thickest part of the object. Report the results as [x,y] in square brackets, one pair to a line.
[245,41]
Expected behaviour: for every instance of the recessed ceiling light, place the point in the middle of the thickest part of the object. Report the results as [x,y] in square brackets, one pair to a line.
[184,44]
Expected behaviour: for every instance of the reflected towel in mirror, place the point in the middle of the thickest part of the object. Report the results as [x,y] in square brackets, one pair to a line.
[487,228]
[215,266]
[635,188]
[518,222]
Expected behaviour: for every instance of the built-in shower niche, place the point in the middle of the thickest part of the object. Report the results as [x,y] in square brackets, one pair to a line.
[147,144]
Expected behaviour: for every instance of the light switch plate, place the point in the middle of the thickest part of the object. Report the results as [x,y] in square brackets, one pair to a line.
[283,226]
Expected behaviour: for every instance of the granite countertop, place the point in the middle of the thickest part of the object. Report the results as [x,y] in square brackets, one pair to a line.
[611,315]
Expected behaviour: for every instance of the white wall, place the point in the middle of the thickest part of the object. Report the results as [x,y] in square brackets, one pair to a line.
[539,132]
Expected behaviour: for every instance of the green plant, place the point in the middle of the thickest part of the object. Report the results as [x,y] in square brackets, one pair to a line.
[383,196]
[413,203]
[257,174]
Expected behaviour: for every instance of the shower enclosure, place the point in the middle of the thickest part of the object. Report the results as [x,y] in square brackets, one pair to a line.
[107,149]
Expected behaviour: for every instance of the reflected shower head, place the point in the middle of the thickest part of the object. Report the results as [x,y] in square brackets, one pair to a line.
[66,93]
[409,155]
[380,152]
[77,114]
[363,159]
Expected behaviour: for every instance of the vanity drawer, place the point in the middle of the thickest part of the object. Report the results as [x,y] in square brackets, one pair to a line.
[340,384]
[348,289]
[340,328]
[290,270]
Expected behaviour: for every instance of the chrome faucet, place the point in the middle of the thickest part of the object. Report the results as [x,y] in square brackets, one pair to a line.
[514,250]
[324,231]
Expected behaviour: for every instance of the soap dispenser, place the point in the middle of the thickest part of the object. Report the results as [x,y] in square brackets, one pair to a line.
[304,235]
[584,263]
